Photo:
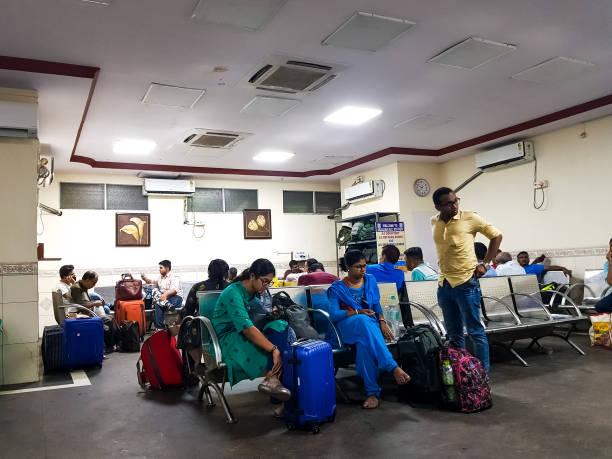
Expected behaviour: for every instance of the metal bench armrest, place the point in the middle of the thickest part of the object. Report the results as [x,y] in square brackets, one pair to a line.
[537,300]
[213,337]
[331,324]
[79,308]
[506,305]
[429,315]
[571,306]
[568,288]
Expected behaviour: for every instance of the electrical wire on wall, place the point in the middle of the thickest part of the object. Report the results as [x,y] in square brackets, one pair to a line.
[42,223]
[535,189]
[186,221]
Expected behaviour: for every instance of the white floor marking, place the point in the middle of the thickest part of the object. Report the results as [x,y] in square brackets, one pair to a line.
[79,378]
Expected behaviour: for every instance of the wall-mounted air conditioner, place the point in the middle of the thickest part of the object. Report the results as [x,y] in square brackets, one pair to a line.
[18,119]
[364,190]
[167,187]
[509,155]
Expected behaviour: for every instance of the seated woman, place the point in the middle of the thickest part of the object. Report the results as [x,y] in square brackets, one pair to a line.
[354,306]
[247,352]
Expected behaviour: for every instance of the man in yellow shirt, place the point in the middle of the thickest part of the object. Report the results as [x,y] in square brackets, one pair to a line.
[458,292]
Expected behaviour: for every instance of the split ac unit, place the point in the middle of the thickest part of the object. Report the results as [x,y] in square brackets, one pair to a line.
[506,156]
[18,119]
[364,190]
[167,187]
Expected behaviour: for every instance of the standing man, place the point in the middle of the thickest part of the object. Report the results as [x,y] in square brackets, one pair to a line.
[168,292]
[458,292]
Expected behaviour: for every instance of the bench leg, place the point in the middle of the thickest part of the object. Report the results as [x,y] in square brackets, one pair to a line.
[229,417]
[510,349]
[204,390]
[567,339]
[343,395]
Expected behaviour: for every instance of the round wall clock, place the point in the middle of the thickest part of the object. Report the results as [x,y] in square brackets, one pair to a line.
[421,187]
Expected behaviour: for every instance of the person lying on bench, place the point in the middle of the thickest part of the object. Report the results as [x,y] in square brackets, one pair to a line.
[536,268]
[167,292]
[79,292]
[354,306]
[247,352]
[506,266]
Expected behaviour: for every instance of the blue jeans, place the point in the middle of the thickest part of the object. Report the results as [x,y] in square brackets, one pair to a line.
[605,304]
[160,312]
[461,307]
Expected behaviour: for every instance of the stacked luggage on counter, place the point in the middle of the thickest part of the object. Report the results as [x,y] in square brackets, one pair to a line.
[81,342]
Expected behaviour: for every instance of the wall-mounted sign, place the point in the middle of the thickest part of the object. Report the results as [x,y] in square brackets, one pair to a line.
[390,233]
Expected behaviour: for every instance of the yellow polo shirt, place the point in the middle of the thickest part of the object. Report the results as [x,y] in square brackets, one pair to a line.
[455,245]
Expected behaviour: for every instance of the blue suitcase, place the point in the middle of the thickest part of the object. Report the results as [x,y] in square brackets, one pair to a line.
[83,342]
[308,372]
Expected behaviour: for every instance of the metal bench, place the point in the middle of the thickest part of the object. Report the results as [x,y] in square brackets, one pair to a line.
[594,288]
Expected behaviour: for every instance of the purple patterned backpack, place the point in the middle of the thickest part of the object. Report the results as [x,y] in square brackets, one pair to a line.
[471,391]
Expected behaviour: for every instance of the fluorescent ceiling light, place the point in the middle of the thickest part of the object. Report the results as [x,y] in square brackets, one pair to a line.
[555,69]
[172,96]
[472,53]
[272,156]
[367,31]
[245,14]
[352,116]
[133,147]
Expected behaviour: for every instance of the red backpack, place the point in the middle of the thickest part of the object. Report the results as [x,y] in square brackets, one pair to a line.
[160,364]
[471,385]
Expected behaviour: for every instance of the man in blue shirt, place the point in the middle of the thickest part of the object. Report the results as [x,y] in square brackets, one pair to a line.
[385,271]
[537,269]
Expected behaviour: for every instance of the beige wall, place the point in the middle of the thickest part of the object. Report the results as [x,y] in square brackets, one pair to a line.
[18,267]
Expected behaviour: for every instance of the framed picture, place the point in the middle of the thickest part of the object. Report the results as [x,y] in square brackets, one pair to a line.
[257,223]
[132,230]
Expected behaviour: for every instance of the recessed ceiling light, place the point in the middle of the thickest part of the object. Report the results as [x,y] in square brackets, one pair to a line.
[352,116]
[472,53]
[245,14]
[269,106]
[133,147]
[555,69]
[367,31]
[272,156]
[172,96]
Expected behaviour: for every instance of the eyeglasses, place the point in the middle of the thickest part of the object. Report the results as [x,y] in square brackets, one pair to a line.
[265,281]
[451,203]
[359,267]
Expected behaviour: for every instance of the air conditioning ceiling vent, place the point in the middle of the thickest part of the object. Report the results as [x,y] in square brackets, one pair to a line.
[292,76]
[214,139]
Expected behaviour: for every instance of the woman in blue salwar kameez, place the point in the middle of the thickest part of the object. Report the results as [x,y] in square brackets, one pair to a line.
[354,306]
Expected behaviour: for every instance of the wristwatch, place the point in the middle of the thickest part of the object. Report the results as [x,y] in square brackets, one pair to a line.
[486,265]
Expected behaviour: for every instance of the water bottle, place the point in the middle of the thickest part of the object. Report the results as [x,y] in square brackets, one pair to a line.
[448,380]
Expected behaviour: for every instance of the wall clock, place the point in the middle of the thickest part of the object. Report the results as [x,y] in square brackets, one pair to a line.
[421,187]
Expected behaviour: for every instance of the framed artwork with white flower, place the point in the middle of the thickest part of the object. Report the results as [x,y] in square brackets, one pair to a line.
[132,230]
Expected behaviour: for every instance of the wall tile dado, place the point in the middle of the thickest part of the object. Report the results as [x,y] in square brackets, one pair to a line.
[10,269]
[569,252]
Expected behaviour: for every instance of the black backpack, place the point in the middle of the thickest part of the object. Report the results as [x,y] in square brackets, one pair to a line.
[112,335]
[283,308]
[418,351]
[130,336]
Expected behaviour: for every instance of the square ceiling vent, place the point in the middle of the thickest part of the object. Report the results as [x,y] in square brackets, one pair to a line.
[331,161]
[244,14]
[367,31]
[472,53]
[172,96]
[205,138]
[555,69]
[269,106]
[423,122]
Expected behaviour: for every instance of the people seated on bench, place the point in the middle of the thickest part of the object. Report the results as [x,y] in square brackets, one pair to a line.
[535,268]
[481,252]
[354,306]
[246,351]
[67,278]
[605,304]
[233,272]
[79,292]
[421,271]
[458,291]
[218,271]
[384,271]
[506,266]
[294,268]
[167,292]
[316,276]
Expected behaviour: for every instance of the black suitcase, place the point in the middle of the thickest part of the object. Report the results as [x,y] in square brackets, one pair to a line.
[418,354]
[52,348]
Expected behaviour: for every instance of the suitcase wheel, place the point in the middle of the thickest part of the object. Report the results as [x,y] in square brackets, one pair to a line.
[316,428]
[291,426]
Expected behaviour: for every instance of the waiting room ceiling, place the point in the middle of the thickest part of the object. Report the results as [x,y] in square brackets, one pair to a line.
[425,105]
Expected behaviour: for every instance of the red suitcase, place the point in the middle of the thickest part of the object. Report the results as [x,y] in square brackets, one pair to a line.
[160,364]
[131,310]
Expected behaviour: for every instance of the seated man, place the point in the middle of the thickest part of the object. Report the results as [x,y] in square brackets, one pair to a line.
[166,294]
[536,268]
[506,266]
[294,268]
[67,278]
[605,304]
[79,292]
[316,276]
[233,272]
[385,271]
[421,271]
[481,252]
